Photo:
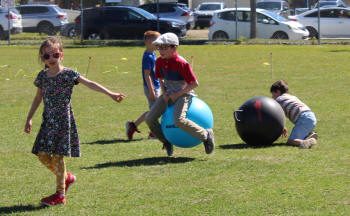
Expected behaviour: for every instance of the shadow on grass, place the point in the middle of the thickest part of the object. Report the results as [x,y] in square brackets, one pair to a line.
[338,51]
[113,141]
[246,146]
[143,162]
[20,208]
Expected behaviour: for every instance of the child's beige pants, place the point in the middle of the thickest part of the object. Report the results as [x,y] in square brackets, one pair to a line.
[181,106]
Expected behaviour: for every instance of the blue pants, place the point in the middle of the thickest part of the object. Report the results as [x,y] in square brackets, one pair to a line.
[303,126]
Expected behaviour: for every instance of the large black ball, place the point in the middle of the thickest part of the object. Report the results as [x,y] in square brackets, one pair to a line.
[259,121]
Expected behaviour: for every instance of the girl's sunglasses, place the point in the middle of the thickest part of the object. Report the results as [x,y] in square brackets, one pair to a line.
[46,56]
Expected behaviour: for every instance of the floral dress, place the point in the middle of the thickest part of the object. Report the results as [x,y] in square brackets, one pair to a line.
[58,132]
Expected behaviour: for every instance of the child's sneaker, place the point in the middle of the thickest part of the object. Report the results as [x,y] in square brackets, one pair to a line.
[70,180]
[308,143]
[169,148]
[54,199]
[130,129]
[151,135]
[313,134]
[209,144]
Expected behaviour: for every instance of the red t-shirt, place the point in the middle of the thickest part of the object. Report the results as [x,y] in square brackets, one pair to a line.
[175,69]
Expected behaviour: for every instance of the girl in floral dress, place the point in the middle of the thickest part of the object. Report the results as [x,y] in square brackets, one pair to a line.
[58,136]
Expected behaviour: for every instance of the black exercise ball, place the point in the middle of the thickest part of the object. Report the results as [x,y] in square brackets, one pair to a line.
[259,121]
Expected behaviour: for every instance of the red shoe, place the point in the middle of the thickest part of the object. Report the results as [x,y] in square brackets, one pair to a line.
[54,199]
[70,180]
[130,129]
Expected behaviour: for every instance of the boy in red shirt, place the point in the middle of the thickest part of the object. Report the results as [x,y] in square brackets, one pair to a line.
[177,81]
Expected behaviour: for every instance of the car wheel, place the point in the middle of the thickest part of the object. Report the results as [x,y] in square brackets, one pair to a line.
[93,36]
[46,28]
[220,35]
[280,35]
[69,31]
[312,32]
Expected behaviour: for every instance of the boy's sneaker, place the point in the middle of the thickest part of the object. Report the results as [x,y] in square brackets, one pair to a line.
[209,144]
[313,134]
[54,199]
[151,135]
[130,129]
[169,148]
[308,143]
[70,180]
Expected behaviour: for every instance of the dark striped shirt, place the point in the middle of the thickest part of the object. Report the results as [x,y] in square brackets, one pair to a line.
[292,106]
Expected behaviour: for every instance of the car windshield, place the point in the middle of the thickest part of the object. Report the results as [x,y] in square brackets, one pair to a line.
[145,13]
[209,7]
[269,5]
[276,16]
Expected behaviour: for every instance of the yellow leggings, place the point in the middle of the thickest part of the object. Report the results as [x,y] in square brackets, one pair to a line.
[56,164]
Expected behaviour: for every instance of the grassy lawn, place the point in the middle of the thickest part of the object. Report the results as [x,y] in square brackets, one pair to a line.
[135,178]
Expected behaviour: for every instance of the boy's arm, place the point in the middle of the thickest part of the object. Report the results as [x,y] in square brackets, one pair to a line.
[150,85]
[35,104]
[99,88]
[188,88]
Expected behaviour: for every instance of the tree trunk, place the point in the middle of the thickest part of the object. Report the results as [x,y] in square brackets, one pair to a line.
[252,18]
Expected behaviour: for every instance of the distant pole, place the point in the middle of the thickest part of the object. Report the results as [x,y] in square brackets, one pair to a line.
[9,25]
[81,21]
[158,28]
[253,19]
[236,20]
[319,23]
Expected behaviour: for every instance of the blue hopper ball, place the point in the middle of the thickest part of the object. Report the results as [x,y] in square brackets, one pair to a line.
[198,112]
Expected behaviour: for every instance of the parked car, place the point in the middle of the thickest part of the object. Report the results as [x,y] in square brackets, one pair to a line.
[330,3]
[269,25]
[171,10]
[47,19]
[204,12]
[124,22]
[15,22]
[334,22]
[281,7]
[68,29]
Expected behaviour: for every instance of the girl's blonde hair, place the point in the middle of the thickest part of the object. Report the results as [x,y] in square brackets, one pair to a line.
[51,41]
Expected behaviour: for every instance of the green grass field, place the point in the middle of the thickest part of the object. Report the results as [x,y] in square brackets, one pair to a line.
[116,177]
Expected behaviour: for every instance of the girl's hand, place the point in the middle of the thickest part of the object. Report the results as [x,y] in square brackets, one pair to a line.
[28,126]
[117,96]
[284,132]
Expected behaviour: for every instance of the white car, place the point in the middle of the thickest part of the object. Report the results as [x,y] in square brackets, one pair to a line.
[48,19]
[15,22]
[334,22]
[269,25]
[204,12]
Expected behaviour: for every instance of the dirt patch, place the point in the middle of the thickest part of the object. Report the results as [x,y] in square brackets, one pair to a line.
[197,34]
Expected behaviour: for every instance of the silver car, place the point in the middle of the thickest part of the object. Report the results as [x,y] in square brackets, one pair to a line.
[171,10]
[48,19]
[13,19]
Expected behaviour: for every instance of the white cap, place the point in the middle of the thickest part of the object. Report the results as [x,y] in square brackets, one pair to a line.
[168,39]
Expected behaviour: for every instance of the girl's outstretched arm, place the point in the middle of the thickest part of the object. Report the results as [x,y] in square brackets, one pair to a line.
[99,88]
[35,104]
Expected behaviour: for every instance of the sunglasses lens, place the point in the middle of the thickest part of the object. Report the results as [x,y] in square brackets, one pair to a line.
[56,55]
[46,56]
